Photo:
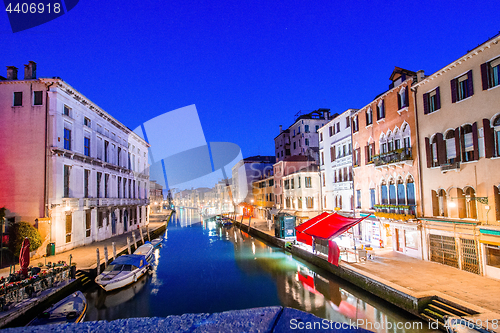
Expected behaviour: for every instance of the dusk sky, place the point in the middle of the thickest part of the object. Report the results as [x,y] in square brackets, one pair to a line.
[248,66]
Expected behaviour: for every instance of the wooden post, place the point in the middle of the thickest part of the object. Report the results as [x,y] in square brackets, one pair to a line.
[105,256]
[128,245]
[113,245]
[147,231]
[135,242]
[98,262]
[142,236]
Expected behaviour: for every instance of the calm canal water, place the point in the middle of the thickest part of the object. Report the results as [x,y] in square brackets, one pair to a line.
[205,268]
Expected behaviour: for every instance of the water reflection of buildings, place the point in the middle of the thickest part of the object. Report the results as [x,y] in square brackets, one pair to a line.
[301,288]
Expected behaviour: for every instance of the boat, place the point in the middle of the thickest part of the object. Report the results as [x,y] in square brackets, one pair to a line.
[146,250]
[157,242]
[124,270]
[71,309]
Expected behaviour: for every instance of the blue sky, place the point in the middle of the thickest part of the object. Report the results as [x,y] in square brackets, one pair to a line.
[248,66]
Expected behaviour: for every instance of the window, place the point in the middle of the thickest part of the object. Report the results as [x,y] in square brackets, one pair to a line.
[357,157]
[369,117]
[67,111]
[291,183]
[69,227]
[309,202]
[86,177]
[323,176]
[287,184]
[86,146]
[403,98]
[106,187]
[98,187]
[332,153]
[461,87]
[18,98]
[331,130]
[469,143]
[67,139]
[317,128]
[66,181]
[383,194]
[410,192]
[401,193]
[322,158]
[358,198]
[490,74]
[37,97]
[321,137]
[106,151]
[118,156]
[432,101]
[372,198]
[298,130]
[451,151]
[338,127]
[88,222]
[306,128]
[355,126]
[347,122]
[380,110]
[392,193]
[496,135]
[294,145]
[307,142]
[100,219]
[86,122]
[308,182]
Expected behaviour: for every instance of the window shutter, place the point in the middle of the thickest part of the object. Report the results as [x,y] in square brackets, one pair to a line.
[426,103]
[332,153]
[441,149]
[475,141]
[383,109]
[428,152]
[407,102]
[373,147]
[470,85]
[484,75]
[438,99]
[366,118]
[457,144]
[399,100]
[462,142]
[367,158]
[488,139]
[453,84]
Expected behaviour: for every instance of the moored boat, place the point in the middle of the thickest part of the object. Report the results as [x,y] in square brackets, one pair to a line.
[157,242]
[146,250]
[123,271]
[71,309]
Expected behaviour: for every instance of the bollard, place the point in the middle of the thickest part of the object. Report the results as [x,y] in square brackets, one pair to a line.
[70,257]
[135,242]
[147,231]
[249,221]
[113,245]
[98,262]
[142,237]
[105,257]
[128,245]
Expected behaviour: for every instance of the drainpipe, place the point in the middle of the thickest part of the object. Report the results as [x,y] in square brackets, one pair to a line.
[419,169]
[45,180]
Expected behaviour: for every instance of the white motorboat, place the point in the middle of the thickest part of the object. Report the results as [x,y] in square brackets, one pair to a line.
[123,271]
[71,309]
[146,250]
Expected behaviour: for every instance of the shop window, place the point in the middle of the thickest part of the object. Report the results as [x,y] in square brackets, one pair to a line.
[411,239]
[493,255]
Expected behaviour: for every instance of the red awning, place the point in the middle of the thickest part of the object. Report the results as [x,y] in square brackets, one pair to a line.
[330,226]
[307,224]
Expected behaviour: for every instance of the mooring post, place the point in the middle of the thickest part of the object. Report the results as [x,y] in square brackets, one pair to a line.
[147,231]
[113,245]
[98,262]
[142,236]
[135,242]
[105,256]
[128,245]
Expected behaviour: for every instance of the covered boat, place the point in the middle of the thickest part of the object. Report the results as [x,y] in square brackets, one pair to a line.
[123,271]
[146,250]
[71,309]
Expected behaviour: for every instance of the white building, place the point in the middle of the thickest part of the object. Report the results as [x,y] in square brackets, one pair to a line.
[335,150]
[82,174]
[302,193]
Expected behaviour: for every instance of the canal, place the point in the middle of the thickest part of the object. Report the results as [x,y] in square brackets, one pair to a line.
[202,267]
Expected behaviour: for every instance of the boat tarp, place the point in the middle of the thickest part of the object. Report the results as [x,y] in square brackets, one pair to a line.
[130,259]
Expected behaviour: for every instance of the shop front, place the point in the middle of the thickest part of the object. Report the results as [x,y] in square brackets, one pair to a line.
[490,247]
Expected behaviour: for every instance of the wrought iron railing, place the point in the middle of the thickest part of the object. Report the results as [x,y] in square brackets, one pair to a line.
[394,156]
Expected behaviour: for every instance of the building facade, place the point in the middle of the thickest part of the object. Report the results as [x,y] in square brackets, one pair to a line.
[459,136]
[386,167]
[335,150]
[302,193]
[67,166]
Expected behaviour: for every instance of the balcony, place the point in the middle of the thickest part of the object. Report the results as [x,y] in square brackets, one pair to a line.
[396,212]
[106,202]
[450,166]
[398,156]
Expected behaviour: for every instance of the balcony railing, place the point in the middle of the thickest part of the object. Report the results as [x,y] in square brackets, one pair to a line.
[396,209]
[451,166]
[394,156]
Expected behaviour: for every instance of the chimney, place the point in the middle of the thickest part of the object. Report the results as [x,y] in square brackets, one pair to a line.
[30,71]
[326,115]
[11,73]
[420,75]
[281,129]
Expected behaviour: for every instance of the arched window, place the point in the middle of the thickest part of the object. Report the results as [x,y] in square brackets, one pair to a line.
[496,191]
[390,142]
[401,192]
[451,152]
[443,209]
[470,203]
[383,193]
[383,144]
[392,193]
[369,116]
[410,191]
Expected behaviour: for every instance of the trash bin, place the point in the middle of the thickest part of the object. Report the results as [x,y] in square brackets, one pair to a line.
[51,249]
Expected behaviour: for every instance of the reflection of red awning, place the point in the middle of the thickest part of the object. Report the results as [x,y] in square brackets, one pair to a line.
[329,226]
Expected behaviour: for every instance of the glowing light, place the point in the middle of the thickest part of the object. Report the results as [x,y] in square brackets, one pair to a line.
[452,204]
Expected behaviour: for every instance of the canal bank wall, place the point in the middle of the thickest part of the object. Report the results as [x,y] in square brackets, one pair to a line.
[419,304]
